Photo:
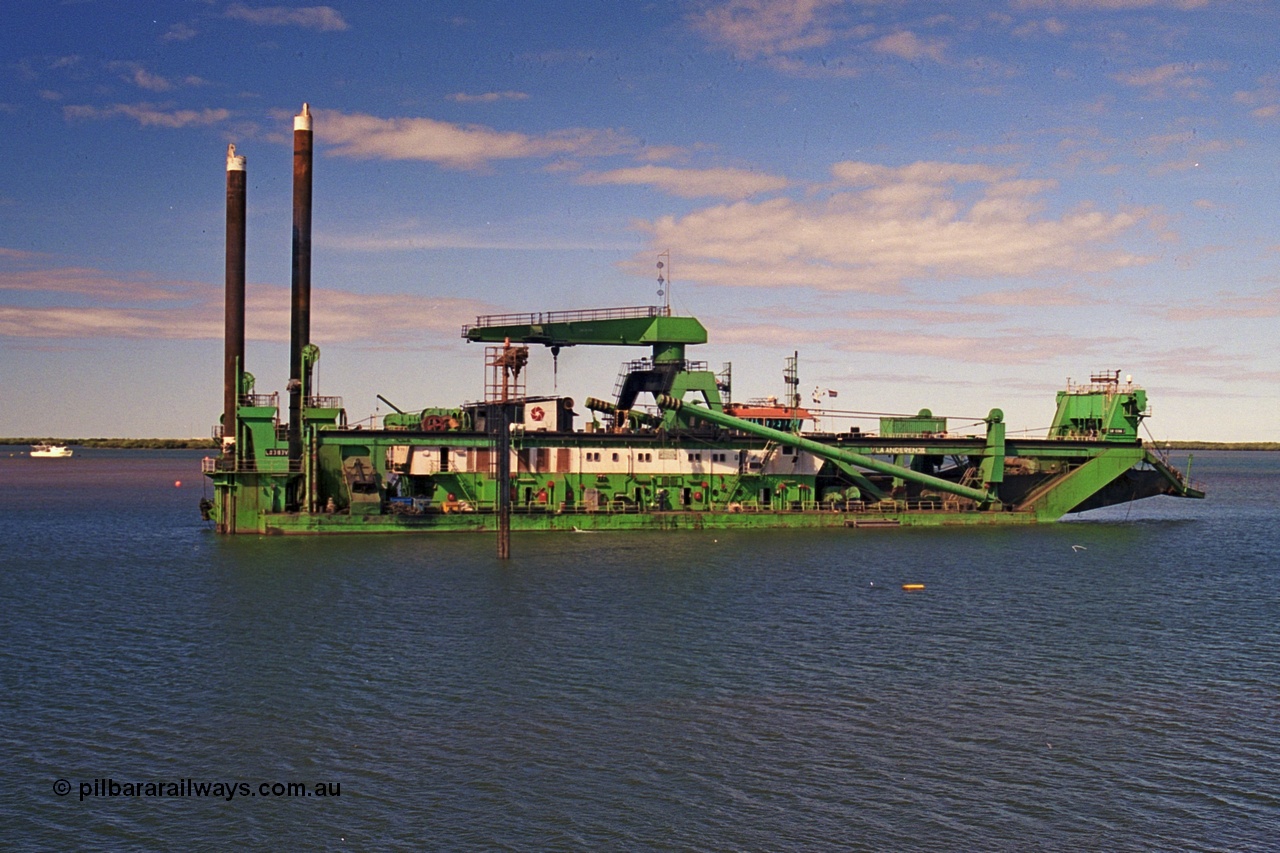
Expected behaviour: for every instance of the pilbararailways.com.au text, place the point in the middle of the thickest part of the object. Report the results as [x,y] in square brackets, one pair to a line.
[191,788]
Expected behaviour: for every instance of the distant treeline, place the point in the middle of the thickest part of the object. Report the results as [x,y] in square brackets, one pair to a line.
[1217,445]
[123,443]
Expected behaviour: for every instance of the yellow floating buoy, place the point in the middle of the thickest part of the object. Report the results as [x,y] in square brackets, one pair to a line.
[910,586]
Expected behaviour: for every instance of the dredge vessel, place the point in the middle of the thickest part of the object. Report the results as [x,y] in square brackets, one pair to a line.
[693,459]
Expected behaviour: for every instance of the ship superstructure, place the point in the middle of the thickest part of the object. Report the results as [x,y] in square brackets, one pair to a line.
[668,450]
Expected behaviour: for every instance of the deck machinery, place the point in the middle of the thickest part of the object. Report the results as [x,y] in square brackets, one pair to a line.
[668,451]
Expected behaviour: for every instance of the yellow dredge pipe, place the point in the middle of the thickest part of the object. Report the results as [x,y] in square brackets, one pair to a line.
[824,451]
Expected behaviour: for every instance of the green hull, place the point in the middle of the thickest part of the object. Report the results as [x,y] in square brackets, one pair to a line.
[400,481]
[310,524]
[691,466]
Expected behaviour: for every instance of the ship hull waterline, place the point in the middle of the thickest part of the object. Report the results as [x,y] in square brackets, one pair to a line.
[286,524]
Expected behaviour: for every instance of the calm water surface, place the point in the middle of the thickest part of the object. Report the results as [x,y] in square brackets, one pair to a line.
[1108,683]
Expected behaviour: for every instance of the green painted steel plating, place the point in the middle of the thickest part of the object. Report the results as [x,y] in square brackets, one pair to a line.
[923,424]
[644,326]
[824,451]
[409,480]
[1104,409]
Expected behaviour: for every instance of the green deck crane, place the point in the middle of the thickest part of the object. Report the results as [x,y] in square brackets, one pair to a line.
[666,372]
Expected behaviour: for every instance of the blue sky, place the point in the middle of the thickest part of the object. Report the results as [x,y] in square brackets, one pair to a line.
[945,205]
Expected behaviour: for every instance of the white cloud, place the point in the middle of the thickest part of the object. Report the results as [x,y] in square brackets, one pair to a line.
[107,306]
[91,283]
[413,237]
[1227,306]
[1264,102]
[457,146]
[323,18]
[1174,79]
[179,32]
[1035,297]
[487,97]
[884,226]
[136,74]
[1108,5]
[16,255]
[763,28]
[907,45]
[692,183]
[989,347]
[149,115]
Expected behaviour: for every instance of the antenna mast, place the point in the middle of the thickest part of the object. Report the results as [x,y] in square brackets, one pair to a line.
[664,282]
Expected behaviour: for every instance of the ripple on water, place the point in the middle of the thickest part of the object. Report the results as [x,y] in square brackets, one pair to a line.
[703,692]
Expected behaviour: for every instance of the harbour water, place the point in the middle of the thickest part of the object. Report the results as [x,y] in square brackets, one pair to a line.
[1108,683]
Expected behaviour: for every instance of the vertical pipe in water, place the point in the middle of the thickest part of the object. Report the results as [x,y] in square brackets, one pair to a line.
[233,328]
[300,310]
[504,478]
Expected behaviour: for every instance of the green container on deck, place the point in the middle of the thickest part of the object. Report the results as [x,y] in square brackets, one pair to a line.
[922,424]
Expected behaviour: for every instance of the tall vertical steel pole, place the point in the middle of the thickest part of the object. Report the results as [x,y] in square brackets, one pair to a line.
[233,326]
[504,459]
[504,479]
[300,313]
